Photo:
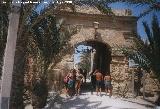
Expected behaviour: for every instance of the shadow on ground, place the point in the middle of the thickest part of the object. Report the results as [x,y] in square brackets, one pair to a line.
[149,105]
[78,103]
[85,102]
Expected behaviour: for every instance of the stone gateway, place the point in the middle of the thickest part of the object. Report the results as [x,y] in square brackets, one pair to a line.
[105,33]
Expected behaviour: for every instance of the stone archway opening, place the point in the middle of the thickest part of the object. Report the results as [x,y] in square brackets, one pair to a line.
[98,54]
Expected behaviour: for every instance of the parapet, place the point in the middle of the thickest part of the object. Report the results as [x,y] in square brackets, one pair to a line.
[94,10]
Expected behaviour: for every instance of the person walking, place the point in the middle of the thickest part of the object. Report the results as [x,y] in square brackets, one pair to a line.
[65,80]
[99,79]
[108,85]
[85,75]
[79,80]
[71,82]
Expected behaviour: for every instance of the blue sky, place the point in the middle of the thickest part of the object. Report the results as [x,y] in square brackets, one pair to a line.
[77,55]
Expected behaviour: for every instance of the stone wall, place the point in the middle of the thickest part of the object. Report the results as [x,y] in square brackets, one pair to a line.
[121,77]
[59,71]
[152,85]
[113,31]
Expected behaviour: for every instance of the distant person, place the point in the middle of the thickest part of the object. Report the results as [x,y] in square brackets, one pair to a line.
[99,79]
[85,75]
[108,85]
[79,80]
[80,71]
[74,72]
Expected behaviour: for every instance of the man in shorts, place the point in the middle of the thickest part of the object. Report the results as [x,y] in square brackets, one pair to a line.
[108,86]
[99,78]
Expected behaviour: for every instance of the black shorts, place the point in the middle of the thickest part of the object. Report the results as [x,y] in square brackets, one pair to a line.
[98,83]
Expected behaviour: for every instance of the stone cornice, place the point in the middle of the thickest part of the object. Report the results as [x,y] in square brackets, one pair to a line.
[95,16]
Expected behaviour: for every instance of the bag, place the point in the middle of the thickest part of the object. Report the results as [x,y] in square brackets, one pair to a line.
[65,79]
[70,83]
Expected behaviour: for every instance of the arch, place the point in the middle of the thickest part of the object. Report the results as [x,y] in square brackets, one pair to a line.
[102,57]
[92,41]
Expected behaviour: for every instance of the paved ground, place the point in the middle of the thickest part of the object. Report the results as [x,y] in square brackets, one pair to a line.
[88,101]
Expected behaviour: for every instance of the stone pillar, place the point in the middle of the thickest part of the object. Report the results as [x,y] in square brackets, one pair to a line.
[9,56]
[92,60]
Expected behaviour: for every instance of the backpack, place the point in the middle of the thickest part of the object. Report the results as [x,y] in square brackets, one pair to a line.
[70,83]
[65,80]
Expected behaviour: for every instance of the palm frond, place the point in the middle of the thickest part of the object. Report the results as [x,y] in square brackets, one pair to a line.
[142,2]
[105,9]
[147,54]
[93,2]
[146,12]
[156,31]
[149,34]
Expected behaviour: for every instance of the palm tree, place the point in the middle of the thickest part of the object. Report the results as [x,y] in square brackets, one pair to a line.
[39,28]
[45,40]
[153,45]
[26,29]
[48,42]
[147,53]
[85,61]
